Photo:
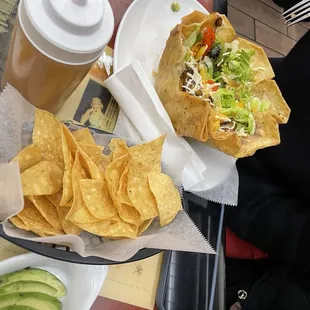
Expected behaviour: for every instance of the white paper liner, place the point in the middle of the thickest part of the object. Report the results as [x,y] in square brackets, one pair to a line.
[16,123]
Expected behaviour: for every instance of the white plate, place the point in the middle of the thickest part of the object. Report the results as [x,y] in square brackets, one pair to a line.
[83,282]
[142,36]
[156,19]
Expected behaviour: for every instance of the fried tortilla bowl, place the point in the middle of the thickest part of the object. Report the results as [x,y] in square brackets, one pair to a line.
[194,114]
[267,134]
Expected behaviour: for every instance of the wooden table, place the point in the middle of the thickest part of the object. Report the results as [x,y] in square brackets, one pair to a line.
[119,7]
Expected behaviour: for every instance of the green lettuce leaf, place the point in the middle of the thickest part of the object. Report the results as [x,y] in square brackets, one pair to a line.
[242,117]
[224,99]
[192,39]
[258,105]
[237,66]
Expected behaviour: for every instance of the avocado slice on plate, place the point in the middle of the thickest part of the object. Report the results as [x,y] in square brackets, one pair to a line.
[28,286]
[34,275]
[37,301]
[18,308]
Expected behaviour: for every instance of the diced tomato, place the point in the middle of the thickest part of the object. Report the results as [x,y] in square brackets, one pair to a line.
[215,88]
[208,37]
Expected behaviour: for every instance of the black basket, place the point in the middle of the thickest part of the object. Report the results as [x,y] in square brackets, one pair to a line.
[64,254]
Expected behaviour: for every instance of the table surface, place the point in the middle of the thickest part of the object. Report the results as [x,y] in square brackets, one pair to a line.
[119,7]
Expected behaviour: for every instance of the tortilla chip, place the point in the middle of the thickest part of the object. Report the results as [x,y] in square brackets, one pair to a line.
[122,193]
[149,153]
[113,174]
[106,160]
[32,218]
[67,226]
[69,144]
[47,136]
[55,198]
[94,171]
[266,134]
[67,190]
[139,191]
[16,221]
[93,151]
[97,199]
[259,61]
[79,212]
[144,226]
[111,229]
[144,158]
[118,148]
[167,196]
[44,178]
[83,135]
[28,157]
[268,90]
[47,210]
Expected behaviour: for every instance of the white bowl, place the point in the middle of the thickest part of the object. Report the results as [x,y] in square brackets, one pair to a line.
[83,282]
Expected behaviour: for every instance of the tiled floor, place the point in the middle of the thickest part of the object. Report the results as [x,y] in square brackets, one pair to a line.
[261,21]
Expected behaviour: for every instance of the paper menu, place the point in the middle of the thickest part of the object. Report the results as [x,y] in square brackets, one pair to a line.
[134,283]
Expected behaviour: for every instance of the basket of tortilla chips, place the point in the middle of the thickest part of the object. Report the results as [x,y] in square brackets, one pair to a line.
[70,185]
[218,88]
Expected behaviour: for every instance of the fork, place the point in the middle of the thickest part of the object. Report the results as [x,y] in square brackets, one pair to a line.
[297,13]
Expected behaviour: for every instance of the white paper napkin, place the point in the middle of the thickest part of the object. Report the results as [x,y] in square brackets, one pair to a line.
[210,174]
[139,101]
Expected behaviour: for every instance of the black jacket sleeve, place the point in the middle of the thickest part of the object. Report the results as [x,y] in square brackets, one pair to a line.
[273,210]
[279,288]
[269,217]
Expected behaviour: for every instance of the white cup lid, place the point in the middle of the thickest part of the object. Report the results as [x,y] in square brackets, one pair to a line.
[69,31]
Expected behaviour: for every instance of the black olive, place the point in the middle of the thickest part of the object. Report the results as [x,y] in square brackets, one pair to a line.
[219,21]
[198,93]
[215,51]
[190,70]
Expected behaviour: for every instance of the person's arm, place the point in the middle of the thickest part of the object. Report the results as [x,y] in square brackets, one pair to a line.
[85,116]
[268,217]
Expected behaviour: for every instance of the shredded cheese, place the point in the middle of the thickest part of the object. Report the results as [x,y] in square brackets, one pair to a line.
[241,132]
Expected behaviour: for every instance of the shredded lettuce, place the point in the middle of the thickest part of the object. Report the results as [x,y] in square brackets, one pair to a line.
[225,62]
[244,94]
[224,99]
[206,68]
[258,105]
[199,37]
[192,39]
[242,117]
[237,66]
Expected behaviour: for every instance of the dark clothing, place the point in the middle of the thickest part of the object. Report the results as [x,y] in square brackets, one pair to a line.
[273,210]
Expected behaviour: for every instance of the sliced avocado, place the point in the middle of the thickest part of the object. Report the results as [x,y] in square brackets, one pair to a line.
[18,308]
[34,275]
[37,301]
[28,286]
